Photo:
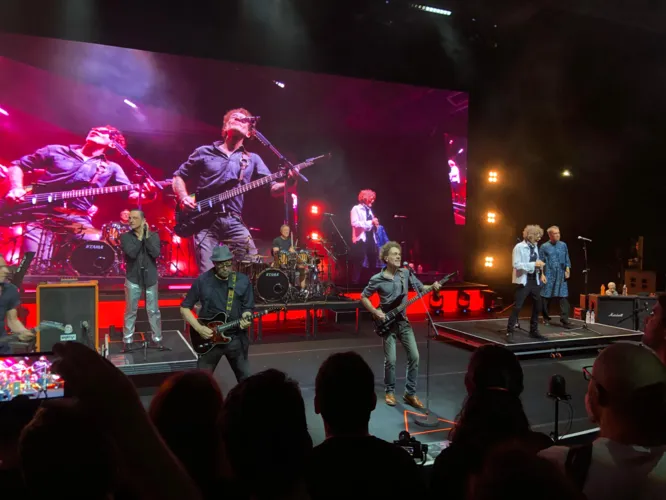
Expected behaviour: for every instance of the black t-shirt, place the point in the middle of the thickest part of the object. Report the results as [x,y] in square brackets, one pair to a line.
[9,299]
[213,293]
[282,244]
[363,467]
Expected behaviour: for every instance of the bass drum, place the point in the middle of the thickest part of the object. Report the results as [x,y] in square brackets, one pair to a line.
[272,285]
[92,258]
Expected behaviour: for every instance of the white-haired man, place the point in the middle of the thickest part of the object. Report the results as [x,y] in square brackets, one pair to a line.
[527,268]
[556,271]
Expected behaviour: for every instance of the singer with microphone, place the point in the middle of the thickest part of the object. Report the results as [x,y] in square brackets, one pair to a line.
[527,269]
[214,168]
[66,168]
[392,284]
[141,248]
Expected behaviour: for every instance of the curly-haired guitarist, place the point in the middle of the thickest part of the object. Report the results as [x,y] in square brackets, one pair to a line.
[392,284]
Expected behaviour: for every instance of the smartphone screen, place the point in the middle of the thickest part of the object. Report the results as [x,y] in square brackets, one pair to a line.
[29,375]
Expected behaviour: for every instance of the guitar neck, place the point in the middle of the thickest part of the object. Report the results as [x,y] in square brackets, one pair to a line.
[402,307]
[82,193]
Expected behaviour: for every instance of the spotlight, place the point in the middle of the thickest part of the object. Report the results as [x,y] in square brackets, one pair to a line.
[489,262]
[279,84]
[492,177]
[314,236]
[314,209]
[463,301]
[130,104]
[491,217]
[3,112]
[566,173]
[436,303]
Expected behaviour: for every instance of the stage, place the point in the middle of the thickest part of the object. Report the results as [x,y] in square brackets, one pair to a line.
[559,340]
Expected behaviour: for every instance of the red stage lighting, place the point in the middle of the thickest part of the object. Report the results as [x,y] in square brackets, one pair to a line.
[314,236]
[314,209]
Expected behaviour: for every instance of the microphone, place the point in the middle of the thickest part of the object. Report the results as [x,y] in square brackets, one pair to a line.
[250,119]
[326,214]
[397,216]
[584,239]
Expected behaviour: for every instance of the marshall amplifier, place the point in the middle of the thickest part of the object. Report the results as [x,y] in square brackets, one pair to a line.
[614,311]
[644,306]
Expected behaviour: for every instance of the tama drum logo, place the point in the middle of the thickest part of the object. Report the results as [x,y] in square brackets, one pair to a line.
[94,246]
[273,274]
[615,315]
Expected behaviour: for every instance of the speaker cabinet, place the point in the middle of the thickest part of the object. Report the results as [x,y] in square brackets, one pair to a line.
[74,304]
[640,282]
[614,310]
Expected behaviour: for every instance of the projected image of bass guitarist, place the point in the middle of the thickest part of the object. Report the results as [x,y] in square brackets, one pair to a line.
[67,168]
[392,284]
[212,169]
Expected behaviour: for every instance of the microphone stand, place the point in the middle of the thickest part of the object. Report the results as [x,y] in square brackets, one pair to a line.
[429,420]
[586,272]
[346,254]
[285,163]
[143,171]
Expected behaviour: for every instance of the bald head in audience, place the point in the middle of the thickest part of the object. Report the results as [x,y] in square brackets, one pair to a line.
[626,395]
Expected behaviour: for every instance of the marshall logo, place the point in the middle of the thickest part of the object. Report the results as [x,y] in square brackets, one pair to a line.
[615,315]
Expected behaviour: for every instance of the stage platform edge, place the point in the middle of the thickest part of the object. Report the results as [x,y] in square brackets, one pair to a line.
[559,340]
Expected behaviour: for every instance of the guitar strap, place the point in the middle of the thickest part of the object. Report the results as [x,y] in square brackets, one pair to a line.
[230,296]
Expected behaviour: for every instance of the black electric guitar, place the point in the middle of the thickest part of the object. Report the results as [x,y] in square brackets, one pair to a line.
[394,311]
[34,202]
[191,220]
[219,325]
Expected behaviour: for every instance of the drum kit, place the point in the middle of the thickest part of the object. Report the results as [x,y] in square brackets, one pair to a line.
[70,248]
[277,278]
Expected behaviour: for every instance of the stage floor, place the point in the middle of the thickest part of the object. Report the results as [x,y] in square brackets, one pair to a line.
[301,360]
[558,339]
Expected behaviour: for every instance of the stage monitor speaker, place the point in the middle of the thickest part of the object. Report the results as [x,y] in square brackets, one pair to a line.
[644,306]
[640,281]
[614,310]
[75,304]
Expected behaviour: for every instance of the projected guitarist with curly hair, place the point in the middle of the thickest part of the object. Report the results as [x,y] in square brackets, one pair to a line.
[70,168]
[392,284]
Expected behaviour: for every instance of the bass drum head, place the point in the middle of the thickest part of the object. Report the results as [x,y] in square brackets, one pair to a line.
[272,285]
[92,258]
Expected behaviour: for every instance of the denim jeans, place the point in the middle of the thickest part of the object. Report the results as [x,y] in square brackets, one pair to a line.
[132,296]
[401,331]
[236,352]
[229,227]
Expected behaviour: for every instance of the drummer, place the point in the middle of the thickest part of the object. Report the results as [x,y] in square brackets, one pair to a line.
[285,243]
[124,218]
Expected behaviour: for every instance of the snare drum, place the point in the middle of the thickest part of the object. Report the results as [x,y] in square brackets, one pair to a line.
[92,258]
[272,285]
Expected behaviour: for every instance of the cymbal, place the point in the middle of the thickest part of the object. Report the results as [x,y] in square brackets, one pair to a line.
[81,229]
[70,211]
